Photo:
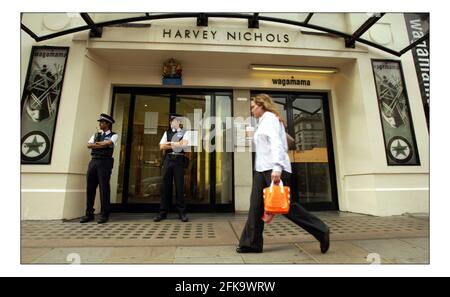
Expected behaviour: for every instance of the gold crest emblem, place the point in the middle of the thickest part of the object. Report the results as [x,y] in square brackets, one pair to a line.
[172,69]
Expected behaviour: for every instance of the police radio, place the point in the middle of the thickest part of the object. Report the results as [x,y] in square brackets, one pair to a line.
[97,135]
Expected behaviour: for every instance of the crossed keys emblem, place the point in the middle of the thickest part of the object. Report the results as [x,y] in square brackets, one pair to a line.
[393,101]
[44,90]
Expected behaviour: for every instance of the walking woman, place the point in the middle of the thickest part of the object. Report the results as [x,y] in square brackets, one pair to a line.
[272,164]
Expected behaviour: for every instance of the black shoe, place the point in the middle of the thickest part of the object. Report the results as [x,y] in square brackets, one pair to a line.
[325,243]
[242,249]
[102,220]
[86,219]
[159,218]
[184,218]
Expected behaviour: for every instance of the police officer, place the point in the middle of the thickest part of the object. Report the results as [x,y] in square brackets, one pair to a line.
[100,167]
[174,146]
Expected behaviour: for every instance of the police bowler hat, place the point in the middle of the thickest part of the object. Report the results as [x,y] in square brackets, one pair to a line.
[173,116]
[106,118]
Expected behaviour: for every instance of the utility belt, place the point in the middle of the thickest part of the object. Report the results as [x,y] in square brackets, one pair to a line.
[103,160]
[178,157]
[175,156]
[94,157]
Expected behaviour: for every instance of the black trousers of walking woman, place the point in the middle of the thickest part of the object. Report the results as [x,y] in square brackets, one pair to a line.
[252,235]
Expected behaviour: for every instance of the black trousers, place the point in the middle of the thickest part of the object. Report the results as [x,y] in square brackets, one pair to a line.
[173,168]
[99,174]
[252,235]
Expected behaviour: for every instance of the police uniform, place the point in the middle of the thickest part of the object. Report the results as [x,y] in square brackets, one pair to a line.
[99,173]
[173,169]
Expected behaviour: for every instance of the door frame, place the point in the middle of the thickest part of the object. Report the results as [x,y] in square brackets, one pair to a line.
[212,206]
[313,206]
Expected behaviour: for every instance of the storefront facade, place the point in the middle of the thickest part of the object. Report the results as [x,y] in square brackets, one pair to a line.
[340,158]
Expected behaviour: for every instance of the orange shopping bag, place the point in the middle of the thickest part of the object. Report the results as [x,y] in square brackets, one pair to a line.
[277,199]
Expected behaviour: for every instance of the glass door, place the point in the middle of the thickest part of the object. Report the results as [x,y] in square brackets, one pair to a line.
[150,118]
[310,158]
[307,117]
[197,175]
[208,180]
[224,145]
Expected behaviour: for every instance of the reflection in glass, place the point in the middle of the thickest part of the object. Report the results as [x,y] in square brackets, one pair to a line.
[280,102]
[312,175]
[150,121]
[208,139]
[196,176]
[120,115]
[224,157]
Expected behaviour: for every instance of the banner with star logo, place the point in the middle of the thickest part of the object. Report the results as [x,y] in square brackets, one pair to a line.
[40,103]
[395,114]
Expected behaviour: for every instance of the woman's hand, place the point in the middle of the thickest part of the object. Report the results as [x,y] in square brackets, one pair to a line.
[276,176]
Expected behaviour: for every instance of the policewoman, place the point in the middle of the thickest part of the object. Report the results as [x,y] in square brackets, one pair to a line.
[174,143]
[99,170]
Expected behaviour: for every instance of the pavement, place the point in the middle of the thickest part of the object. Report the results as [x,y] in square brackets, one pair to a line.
[212,239]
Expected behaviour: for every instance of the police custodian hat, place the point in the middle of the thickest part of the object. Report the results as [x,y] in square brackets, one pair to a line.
[175,116]
[106,118]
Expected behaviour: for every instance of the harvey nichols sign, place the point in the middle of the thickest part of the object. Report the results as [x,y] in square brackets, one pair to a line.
[225,36]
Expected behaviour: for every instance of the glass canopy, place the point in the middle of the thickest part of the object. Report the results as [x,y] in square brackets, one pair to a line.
[352,27]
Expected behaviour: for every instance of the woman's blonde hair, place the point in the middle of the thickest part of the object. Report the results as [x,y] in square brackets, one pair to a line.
[266,102]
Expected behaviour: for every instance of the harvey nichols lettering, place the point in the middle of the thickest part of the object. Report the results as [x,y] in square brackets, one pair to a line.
[229,35]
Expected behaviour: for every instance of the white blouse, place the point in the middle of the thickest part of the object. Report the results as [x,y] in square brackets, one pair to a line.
[271,145]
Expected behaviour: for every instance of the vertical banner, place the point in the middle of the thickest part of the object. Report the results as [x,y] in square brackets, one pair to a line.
[40,102]
[398,130]
[418,25]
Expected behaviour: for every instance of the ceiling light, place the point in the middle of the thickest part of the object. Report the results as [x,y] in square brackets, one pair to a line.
[284,68]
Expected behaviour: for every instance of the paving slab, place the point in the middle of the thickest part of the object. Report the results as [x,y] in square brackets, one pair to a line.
[141,255]
[278,254]
[206,251]
[209,260]
[395,250]
[28,255]
[423,243]
[340,252]
[84,255]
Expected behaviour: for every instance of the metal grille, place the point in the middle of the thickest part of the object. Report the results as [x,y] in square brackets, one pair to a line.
[217,231]
[153,231]
[358,227]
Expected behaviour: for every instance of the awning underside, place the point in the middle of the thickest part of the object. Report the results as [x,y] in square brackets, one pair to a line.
[302,20]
